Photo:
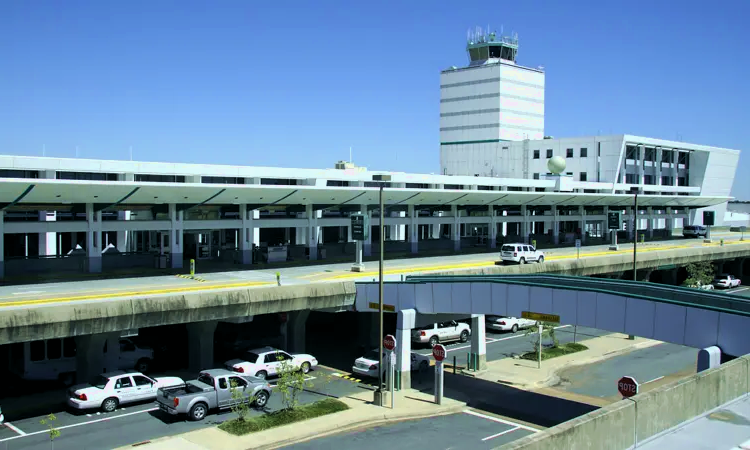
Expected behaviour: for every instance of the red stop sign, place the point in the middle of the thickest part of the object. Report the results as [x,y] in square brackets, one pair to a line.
[438,352]
[389,342]
[627,386]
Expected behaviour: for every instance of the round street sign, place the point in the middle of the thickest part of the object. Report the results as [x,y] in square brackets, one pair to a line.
[438,352]
[627,386]
[389,342]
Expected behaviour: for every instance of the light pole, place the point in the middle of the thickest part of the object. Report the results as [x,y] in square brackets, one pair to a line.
[378,396]
[634,191]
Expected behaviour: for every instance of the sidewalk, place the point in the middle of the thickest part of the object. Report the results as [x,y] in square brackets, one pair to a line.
[410,404]
[524,374]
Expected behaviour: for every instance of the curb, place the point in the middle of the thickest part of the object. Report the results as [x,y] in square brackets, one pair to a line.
[368,423]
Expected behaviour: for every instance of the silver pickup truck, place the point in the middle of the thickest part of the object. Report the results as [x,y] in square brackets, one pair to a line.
[212,391]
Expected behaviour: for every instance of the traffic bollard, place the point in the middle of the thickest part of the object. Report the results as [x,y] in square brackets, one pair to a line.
[192,267]
[278,278]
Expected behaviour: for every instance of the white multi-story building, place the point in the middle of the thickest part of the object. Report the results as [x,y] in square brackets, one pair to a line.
[492,125]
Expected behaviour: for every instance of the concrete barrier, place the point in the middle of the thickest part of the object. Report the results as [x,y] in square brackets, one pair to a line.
[126,313]
[626,423]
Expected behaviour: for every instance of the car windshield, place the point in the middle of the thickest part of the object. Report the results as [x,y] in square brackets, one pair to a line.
[372,355]
[251,357]
[100,382]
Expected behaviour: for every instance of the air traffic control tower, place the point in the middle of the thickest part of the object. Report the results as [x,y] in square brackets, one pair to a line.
[493,99]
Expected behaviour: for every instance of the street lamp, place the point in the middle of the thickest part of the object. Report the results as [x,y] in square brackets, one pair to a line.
[634,191]
[378,396]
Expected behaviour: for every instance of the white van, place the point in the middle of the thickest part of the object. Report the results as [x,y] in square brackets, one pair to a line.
[520,253]
[55,359]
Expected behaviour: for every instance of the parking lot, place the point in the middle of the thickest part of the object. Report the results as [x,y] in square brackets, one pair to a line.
[468,430]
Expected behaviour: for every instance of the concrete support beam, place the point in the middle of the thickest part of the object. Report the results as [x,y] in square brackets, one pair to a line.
[312,231]
[175,236]
[650,221]
[492,235]
[405,323]
[413,229]
[201,345]
[123,237]
[631,222]
[91,360]
[456,228]
[294,331]
[94,239]
[367,244]
[582,223]
[478,355]
[47,241]
[249,234]
[556,225]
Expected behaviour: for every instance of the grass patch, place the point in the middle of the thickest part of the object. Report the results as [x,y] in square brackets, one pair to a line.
[554,352]
[283,417]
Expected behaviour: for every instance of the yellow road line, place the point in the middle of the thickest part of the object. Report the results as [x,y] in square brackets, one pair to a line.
[133,293]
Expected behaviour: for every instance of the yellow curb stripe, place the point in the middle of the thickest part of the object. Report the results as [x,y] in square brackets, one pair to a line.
[134,293]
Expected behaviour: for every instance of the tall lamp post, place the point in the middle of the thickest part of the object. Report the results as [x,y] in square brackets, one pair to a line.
[634,191]
[378,396]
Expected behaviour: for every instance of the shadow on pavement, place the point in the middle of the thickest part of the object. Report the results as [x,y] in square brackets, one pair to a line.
[505,400]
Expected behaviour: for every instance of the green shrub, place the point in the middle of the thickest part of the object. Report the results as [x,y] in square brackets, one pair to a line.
[283,417]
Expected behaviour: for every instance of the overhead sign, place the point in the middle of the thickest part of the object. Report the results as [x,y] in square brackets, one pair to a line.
[541,317]
[438,351]
[389,342]
[708,218]
[614,222]
[627,386]
[360,226]
[389,308]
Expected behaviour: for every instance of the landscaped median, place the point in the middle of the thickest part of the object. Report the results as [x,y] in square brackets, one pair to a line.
[555,351]
[320,408]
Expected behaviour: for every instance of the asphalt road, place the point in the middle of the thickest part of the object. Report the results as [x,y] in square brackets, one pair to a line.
[647,366]
[469,430]
[138,422]
[505,344]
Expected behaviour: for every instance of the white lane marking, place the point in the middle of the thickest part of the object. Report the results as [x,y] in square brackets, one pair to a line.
[82,423]
[306,379]
[740,289]
[28,292]
[655,379]
[515,336]
[501,433]
[495,419]
[14,428]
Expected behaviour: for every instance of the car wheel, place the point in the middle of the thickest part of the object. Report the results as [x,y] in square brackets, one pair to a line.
[143,365]
[434,340]
[109,404]
[262,374]
[261,399]
[198,412]
[514,328]
[541,259]
[305,367]
[464,336]
[522,261]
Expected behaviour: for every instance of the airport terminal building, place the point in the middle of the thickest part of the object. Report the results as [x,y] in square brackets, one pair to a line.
[64,214]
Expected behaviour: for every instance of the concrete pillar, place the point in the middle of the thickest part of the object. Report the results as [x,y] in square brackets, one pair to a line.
[91,360]
[123,236]
[556,225]
[368,333]
[94,239]
[708,358]
[478,356]
[47,240]
[175,236]
[312,231]
[582,223]
[669,277]
[201,345]
[493,226]
[505,221]
[657,172]
[288,235]
[524,224]
[405,323]
[640,160]
[293,332]
[247,235]
[413,229]
[456,228]
[674,171]
[650,222]
[669,221]
[631,222]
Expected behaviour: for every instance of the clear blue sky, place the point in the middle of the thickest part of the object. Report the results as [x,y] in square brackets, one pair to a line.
[295,84]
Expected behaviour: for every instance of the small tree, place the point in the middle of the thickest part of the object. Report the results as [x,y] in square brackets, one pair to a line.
[548,331]
[699,273]
[239,400]
[291,382]
[49,421]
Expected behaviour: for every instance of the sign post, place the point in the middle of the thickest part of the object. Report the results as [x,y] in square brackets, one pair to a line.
[614,221]
[539,327]
[360,224]
[438,352]
[389,342]
[627,386]
[578,248]
[708,221]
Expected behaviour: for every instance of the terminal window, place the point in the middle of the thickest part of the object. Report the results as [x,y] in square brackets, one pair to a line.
[549,153]
[583,176]
[536,154]
[584,152]
[536,176]
[569,153]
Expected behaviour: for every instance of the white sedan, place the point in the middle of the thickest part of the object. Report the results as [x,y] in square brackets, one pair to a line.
[116,388]
[267,361]
[367,366]
[503,323]
[726,281]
